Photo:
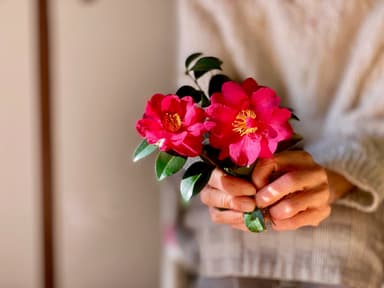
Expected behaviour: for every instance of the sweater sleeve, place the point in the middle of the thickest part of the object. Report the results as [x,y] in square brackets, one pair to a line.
[353,141]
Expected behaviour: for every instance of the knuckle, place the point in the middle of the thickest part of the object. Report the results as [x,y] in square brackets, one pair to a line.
[325,195]
[322,174]
[283,210]
[215,217]
[289,178]
[204,196]
[215,178]
[315,223]
[226,202]
[327,211]
[306,156]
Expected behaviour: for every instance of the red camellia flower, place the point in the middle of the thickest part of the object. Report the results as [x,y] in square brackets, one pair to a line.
[173,124]
[249,122]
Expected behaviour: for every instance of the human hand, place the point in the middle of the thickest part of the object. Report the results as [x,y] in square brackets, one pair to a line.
[299,196]
[231,193]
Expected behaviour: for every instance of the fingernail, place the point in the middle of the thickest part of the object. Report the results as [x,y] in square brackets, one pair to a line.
[247,205]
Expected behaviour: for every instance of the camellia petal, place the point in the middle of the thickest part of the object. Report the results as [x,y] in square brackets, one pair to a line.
[246,151]
[151,110]
[264,98]
[250,86]
[247,129]
[234,95]
[171,104]
[192,114]
[280,115]
[174,124]
[221,113]
[265,149]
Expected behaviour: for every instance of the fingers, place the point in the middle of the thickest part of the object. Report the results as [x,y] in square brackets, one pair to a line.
[241,227]
[290,182]
[231,185]
[298,202]
[226,217]
[280,162]
[216,198]
[311,217]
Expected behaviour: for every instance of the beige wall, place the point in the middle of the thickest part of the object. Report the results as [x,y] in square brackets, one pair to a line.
[19,177]
[110,56]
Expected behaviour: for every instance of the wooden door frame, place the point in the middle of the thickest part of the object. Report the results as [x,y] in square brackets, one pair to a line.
[46,143]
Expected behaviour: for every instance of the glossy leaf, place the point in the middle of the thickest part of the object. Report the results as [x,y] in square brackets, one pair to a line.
[294,117]
[254,221]
[204,65]
[294,143]
[167,165]
[195,179]
[198,74]
[216,83]
[293,114]
[190,91]
[143,150]
[191,58]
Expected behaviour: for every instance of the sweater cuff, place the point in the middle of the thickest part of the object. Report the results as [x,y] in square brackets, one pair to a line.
[359,162]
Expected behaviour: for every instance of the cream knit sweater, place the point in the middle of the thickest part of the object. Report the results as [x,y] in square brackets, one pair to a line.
[326,60]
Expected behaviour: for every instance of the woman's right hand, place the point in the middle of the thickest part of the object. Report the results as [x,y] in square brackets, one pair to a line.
[228,192]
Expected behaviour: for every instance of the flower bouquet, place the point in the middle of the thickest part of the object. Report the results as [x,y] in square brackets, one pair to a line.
[230,126]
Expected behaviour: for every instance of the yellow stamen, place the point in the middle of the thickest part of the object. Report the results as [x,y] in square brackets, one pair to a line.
[171,122]
[241,124]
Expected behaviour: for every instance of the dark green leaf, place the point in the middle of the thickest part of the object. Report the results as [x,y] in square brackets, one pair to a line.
[190,91]
[254,221]
[167,165]
[294,143]
[143,150]
[242,171]
[191,58]
[216,83]
[294,116]
[198,74]
[204,65]
[195,179]
[205,101]
[207,64]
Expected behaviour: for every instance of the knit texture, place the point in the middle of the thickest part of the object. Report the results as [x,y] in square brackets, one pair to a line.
[326,60]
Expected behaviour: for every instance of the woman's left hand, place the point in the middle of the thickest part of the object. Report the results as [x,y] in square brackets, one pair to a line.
[302,192]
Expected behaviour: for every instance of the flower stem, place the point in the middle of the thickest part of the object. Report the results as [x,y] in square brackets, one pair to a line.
[197,84]
[209,160]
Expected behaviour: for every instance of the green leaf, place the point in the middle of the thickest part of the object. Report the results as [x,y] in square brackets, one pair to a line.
[204,65]
[294,117]
[198,74]
[143,150]
[207,64]
[167,165]
[190,91]
[191,58]
[254,221]
[294,143]
[195,179]
[216,83]
[293,114]
[240,171]
[205,101]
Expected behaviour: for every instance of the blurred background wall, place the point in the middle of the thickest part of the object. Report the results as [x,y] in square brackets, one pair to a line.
[108,57]
[20,261]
